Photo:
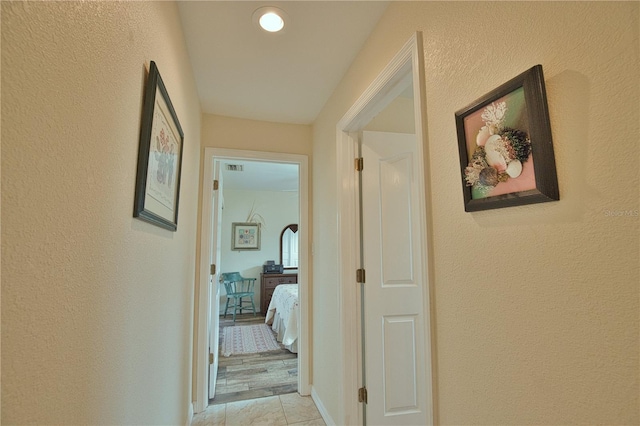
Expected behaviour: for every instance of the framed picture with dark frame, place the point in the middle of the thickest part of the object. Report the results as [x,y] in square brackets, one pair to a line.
[159,157]
[505,146]
[245,236]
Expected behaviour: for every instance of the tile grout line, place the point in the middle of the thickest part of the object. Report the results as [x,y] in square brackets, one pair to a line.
[224,410]
[283,412]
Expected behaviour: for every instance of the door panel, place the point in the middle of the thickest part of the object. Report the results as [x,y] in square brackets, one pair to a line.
[395,350]
[214,315]
[399,343]
[395,208]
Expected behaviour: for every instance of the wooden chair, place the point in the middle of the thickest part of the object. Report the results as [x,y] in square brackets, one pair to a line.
[238,288]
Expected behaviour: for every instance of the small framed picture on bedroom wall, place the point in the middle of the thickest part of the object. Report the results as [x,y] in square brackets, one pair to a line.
[245,236]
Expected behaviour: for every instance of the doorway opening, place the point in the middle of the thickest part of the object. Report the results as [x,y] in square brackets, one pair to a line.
[261,207]
[386,346]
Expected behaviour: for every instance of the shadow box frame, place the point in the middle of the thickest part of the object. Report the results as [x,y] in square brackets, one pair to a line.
[539,126]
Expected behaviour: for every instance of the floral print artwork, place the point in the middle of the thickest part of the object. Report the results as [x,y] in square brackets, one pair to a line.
[163,157]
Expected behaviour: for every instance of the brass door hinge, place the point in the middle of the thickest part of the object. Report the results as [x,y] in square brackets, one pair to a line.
[362,395]
[359,163]
[216,184]
[210,358]
[213,269]
[360,277]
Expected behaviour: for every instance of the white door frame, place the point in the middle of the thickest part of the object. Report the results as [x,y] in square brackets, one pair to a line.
[202,333]
[407,65]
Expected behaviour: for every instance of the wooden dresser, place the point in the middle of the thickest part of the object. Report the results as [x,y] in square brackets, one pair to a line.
[268,283]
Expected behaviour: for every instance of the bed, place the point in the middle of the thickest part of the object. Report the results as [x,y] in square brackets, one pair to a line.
[283,314]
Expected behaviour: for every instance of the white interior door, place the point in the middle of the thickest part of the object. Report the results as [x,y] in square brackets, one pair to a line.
[214,316]
[394,349]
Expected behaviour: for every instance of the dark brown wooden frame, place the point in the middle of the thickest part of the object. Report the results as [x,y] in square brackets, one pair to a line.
[546,179]
[142,209]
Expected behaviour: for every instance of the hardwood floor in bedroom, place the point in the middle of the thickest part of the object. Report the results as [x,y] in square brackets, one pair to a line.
[243,377]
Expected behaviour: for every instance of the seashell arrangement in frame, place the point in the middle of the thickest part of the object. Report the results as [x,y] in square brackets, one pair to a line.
[505,146]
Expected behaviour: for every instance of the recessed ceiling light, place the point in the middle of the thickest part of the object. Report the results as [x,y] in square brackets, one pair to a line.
[270,18]
[271,22]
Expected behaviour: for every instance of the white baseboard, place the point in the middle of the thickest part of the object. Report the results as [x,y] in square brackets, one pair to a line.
[190,415]
[323,411]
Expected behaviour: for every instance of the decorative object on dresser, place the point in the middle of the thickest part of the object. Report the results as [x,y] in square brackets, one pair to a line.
[269,282]
[270,267]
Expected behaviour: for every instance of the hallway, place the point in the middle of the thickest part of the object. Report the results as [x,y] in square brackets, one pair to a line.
[282,410]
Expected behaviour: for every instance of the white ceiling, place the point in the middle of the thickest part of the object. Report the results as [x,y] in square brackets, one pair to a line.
[242,71]
[260,176]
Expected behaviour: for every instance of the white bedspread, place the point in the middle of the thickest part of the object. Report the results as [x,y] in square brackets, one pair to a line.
[283,314]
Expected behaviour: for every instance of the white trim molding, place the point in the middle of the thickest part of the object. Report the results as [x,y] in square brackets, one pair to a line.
[204,292]
[407,67]
[321,408]
[189,415]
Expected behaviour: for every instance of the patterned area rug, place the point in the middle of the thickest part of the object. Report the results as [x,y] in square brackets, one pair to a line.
[248,339]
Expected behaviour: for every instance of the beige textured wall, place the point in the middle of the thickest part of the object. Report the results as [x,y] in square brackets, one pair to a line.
[397,117]
[97,306]
[253,135]
[535,308]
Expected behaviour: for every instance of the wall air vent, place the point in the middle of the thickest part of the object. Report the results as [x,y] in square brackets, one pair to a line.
[235,167]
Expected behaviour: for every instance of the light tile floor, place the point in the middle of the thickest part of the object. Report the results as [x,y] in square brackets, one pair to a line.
[282,410]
